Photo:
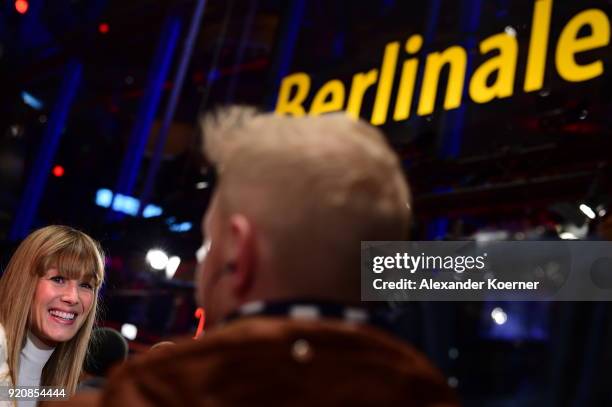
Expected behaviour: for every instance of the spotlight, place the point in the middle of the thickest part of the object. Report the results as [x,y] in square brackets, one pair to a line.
[103,28]
[16,130]
[104,197]
[21,6]
[587,211]
[31,100]
[181,227]
[129,331]
[568,236]
[172,266]
[126,204]
[499,316]
[58,171]
[601,210]
[151,211]
[510,31]
[157,259]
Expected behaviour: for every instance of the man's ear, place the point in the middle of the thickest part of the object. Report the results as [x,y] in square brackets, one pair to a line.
[243,254]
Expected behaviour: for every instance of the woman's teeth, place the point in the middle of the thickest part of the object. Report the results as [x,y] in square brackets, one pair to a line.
[69,316]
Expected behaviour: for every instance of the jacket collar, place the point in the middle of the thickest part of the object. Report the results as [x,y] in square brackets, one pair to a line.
[303,310]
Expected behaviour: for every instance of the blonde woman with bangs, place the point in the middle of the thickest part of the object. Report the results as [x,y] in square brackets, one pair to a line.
[48,301]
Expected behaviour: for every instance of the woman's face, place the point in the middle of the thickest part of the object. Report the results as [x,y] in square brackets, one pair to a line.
[60,307]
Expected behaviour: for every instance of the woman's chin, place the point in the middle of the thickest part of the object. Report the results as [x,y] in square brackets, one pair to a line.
[55,333]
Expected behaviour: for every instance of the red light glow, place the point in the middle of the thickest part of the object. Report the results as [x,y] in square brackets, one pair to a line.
[58,171]
[103,28]
[21,6]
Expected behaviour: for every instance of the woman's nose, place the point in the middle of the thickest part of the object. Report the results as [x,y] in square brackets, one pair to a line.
[70,294]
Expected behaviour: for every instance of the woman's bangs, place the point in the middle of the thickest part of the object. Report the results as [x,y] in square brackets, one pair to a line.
[76,262]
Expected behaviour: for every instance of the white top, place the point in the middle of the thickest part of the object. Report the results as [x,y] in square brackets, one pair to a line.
[32,359]
[5,378]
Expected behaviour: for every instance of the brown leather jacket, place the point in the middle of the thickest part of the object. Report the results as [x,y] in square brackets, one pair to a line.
[263,361]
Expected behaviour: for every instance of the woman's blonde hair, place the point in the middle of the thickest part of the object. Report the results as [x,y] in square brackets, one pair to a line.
[75,255]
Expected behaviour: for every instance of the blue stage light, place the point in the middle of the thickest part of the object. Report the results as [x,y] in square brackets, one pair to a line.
[126,204]
[181,227]
[104,197]
[151,211]
[31,101]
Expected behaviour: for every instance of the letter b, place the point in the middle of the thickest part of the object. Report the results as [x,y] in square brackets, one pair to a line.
[293,106]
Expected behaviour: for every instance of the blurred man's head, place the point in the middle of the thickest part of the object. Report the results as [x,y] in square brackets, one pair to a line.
[295,197]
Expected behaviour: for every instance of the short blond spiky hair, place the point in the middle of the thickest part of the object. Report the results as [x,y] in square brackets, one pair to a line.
[315,186]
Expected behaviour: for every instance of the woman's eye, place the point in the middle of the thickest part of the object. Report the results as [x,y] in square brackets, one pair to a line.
[87,286]
[57,279]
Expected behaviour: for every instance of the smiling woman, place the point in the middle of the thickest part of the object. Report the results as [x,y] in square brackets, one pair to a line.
[48,302]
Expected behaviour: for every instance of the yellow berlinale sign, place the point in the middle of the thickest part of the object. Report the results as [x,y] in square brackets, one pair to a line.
[333,96]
